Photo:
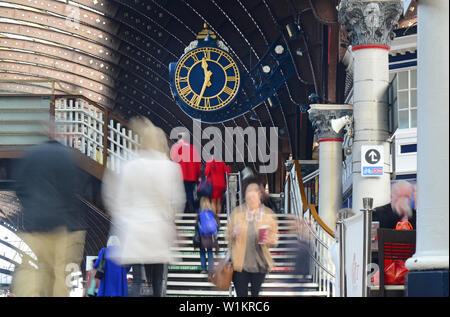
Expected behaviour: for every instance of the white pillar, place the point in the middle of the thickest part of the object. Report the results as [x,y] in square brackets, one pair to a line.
[370,100]
[432,137]
[330,180]
[369,25]
[330,159]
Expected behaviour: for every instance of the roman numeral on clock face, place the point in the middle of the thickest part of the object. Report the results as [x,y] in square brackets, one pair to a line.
[231,78]
[207,54]
[228,90]
[195,58]
[183,79]
[194,100]
[185,91]
[206,102]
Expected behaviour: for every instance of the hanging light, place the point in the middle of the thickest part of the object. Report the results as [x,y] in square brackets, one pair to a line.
[266,69]
[299,52]
[279,49]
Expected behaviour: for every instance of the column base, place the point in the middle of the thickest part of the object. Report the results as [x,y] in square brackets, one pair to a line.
[427,284]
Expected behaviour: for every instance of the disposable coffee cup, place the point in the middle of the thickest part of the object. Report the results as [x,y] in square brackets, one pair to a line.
[263,231]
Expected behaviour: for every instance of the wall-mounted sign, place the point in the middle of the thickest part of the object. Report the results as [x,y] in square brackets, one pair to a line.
[372,160]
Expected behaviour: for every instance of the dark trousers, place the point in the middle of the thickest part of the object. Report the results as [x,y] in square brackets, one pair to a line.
[241,280]
[189,189]
[153,273]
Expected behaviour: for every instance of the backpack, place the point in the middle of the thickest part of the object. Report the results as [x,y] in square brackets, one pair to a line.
[207,225]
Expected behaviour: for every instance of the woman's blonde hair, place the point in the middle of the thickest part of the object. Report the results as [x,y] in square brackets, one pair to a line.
[205,203]
[150,136]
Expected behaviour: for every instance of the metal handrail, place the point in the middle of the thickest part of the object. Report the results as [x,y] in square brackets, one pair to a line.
[322,265]
[311,176]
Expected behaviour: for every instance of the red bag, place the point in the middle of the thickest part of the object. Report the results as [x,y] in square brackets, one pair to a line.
[394,272]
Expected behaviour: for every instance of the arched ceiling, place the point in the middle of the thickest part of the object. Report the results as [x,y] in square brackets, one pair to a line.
[117,52]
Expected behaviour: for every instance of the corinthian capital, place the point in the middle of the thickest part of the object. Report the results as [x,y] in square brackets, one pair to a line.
[370,22]
[321,116]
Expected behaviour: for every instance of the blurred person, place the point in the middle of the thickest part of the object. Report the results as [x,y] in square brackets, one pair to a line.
[399,210]
[215,171]
[250,253]
[143,201]
[208,236]
[46,185]
[114,282]
[92,283]
[187,156]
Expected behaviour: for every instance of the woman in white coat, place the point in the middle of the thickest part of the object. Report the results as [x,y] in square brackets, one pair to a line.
[143,200]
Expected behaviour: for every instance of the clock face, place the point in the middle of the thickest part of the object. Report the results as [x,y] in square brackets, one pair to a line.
[207,79]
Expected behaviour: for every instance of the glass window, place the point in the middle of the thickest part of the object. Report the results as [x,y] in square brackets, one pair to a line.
[403,119]
[403,80]
[413,74]
[413,101]
[403,99]
[406,97]
[408,148]
[414,118]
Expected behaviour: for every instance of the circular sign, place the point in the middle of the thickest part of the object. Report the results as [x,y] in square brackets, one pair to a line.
[372,156]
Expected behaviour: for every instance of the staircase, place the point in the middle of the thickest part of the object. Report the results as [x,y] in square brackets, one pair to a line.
[184,277]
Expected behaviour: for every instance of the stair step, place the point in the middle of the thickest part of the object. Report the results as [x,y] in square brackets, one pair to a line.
[269,276]
[192,228]
[264,285]
[197,263]
[221,241]
[221,256]
[221,235]
[201,293]
[262,293]
[293,294]
[224,216]
[192,249]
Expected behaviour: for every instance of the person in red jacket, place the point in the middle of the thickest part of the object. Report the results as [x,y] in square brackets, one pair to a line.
[187,156]
[215,171]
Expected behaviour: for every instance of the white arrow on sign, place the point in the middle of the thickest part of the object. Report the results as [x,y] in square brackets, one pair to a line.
[373,155]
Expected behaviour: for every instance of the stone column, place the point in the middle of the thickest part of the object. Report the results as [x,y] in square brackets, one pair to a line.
[369,25]
[430,264]
[330,159]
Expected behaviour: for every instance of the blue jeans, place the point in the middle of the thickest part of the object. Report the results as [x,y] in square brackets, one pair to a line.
[210,259]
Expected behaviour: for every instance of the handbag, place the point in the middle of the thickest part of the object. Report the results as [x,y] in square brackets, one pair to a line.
[101,267]
[205,188]
[223,274]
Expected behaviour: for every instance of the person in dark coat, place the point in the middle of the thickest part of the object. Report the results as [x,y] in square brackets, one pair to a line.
[399,209]
[46,185]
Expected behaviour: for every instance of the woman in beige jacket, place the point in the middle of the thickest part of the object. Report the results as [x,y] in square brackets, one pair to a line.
[250,255]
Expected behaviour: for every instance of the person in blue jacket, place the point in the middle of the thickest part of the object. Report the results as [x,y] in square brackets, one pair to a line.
[114,283]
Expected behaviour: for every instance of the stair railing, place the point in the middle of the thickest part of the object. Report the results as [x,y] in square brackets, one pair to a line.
[312,229]
[93,130]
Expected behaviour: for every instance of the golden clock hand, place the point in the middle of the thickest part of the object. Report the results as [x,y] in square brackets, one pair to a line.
[206,82]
